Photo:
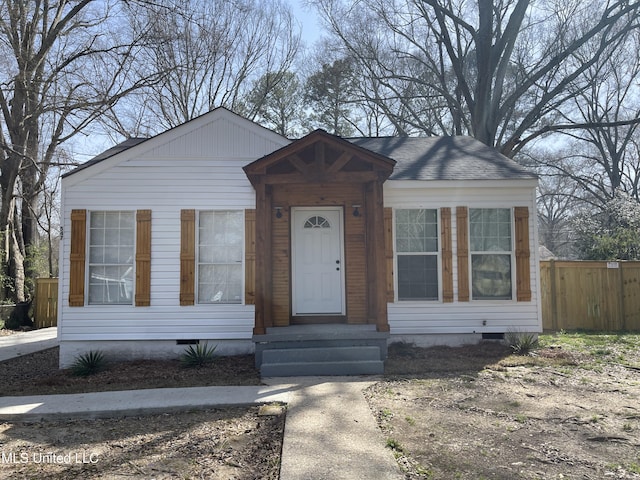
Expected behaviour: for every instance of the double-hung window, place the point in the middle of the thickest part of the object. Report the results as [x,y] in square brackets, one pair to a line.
[111,257]
[220,242]
[491,249]
[417,254]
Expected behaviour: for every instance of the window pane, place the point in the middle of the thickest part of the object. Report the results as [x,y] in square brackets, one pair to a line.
[417,230]
[110,285]
[491,276]
[417,277]
[96,236]
[127,236]
[490,229]
[220,256]
[112,220]
[96,255]
[111,255]
[220,284]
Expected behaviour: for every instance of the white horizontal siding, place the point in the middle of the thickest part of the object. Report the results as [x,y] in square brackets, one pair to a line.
[165,318]
[439,318]
[167,185]
[406,318]
[198,168]
[480,194]
[224,137]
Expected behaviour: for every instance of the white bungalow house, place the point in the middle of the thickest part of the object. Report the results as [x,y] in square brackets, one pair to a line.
[316,251]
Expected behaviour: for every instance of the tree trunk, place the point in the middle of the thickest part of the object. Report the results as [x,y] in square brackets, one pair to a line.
[17,268]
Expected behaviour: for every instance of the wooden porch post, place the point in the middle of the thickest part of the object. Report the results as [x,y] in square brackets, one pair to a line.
[263,318]
[376,267]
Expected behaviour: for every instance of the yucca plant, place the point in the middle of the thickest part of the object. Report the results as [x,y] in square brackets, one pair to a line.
[521,343]
[198,355]
[88,364]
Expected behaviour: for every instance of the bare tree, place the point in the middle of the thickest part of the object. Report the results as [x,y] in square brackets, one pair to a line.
[495,69]
[558,202]
[212,53]
[611,138]
[63,63]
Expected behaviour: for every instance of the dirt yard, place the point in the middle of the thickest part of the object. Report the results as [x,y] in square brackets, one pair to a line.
[232,443]
[571,410]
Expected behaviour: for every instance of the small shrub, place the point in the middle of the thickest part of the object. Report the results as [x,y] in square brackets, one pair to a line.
[521,343]
[198,355]
[386,413]
[393,444]
[88,364]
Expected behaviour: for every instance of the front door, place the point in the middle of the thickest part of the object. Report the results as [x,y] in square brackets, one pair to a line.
[317,261]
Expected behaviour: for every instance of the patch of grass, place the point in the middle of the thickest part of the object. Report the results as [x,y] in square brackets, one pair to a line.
[198,355]
[394,445]
[88,363]
[521,418]
[424,472]
[410,420]
[386,413]
[627,427]
[634,467]
[588,342]
[601,352]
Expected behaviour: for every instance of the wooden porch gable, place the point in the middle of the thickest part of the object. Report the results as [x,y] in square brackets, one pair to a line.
[320,158]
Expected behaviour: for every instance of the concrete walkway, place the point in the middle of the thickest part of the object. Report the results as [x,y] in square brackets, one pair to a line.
[330,433]
[24,343]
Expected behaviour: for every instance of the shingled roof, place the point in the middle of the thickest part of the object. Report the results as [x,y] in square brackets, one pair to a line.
[417,158]
[444,158]
[121,147]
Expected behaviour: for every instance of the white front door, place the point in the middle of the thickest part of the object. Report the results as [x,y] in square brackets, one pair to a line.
[317,261]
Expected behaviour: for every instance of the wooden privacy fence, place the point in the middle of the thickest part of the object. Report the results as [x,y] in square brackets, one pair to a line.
[590,295]
[45,313]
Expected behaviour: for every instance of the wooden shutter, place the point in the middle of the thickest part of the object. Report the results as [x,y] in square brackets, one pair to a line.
[143,258]
[462,240]
[250,257]
[388,248]
[523,274]
[187,257]
[447,255]
[77,257]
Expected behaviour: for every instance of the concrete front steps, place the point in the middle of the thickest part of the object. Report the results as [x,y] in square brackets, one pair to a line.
[307,350]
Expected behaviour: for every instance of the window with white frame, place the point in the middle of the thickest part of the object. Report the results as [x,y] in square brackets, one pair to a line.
[111,257]
[491,249]
[220,242]
[417,254]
